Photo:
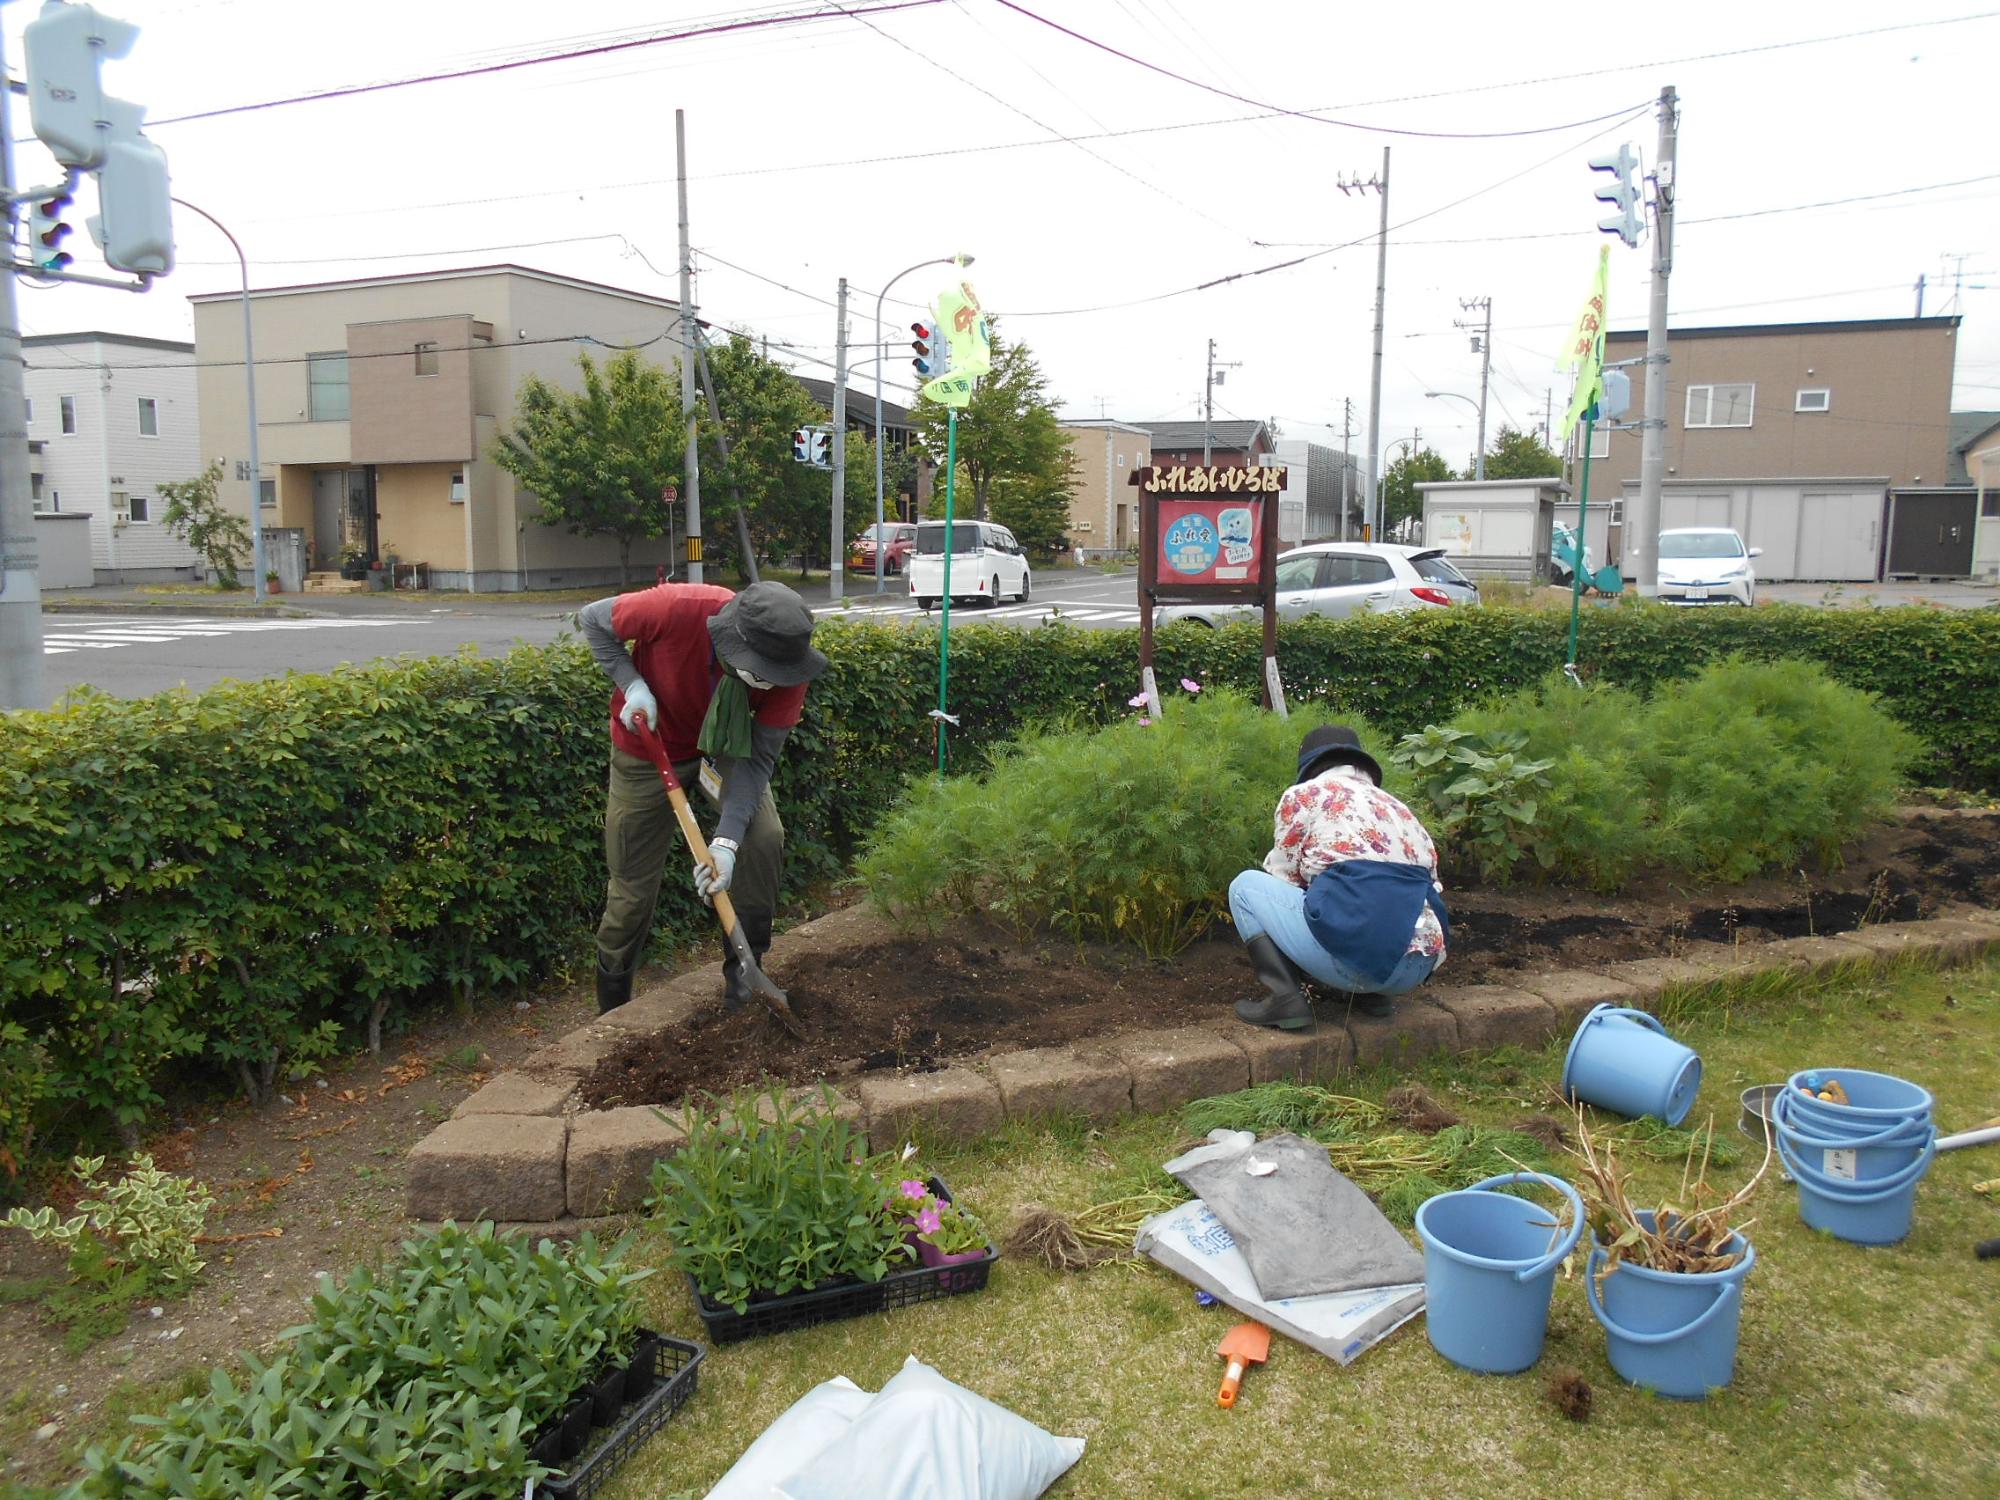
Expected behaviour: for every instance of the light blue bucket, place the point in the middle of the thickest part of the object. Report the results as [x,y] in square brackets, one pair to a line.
[1623,1060]
[1671,1332]
[1865,1213]
[1875,1100]
[1489,1268]
[1871,1157]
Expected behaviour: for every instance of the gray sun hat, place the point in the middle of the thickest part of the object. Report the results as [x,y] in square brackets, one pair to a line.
[767,630]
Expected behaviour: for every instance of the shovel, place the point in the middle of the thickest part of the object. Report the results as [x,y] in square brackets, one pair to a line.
[760,983]
[1244,1345]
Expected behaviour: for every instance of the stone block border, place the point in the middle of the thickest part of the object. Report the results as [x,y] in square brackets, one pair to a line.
[520,1151]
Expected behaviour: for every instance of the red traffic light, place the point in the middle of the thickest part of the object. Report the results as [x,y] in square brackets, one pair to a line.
[53,208]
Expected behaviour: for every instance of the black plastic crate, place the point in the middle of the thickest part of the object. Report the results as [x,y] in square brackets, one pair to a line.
[829,1304]
[676,1371]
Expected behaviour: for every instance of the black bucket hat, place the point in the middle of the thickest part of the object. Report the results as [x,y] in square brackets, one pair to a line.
[1334,744]
[767,630]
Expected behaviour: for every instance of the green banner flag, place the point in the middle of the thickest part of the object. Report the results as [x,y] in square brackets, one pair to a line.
[1584,352]
[963,327]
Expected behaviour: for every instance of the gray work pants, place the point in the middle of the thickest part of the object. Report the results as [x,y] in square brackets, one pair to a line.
[642,839]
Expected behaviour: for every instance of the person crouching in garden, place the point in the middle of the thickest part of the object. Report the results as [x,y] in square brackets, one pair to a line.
[1348,895]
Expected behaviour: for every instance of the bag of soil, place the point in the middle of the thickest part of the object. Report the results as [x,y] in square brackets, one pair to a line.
[1303,1228]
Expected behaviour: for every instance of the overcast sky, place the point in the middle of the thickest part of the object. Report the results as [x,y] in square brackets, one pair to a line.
[1084,182]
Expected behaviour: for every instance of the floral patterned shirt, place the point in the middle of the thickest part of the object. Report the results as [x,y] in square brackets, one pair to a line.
[1342,815]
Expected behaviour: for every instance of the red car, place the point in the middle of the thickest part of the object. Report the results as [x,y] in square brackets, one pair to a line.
[900,537]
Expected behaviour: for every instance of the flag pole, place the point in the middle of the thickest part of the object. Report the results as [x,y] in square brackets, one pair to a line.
[950,540]
[1582,539]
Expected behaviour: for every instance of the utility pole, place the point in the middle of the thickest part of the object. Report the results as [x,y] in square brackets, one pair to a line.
[21,681]
[1371,484]
[1920,295]
[1642,529]
[1346,457]
[837,555]
[1482,344]
[693,462]
[1208,402]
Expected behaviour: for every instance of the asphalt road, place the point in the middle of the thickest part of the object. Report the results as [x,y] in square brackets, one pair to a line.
[131,655]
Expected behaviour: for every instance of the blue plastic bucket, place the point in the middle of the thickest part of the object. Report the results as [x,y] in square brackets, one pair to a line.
[1876,1156]
[1874,1100]
[1671,1332]
[1623,1060]
[1864,1213]
[1489,1268]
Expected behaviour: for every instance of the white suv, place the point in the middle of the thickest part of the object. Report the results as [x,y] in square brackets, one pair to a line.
[1706,565]
[987,564]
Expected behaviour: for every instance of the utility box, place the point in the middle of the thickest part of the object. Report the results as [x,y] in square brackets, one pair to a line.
[63,540]
[1498,528]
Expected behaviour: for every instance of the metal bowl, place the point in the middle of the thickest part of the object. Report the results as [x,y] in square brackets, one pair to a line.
[1755,1120]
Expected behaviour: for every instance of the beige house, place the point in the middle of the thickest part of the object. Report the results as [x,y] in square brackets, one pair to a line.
[379,401]
[1102,504]
[1981,453]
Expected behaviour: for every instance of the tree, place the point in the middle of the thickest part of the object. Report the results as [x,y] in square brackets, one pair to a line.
[598,459]
[1400,499]
[1521,455]
[195,515]
[1007,431]
[785,503]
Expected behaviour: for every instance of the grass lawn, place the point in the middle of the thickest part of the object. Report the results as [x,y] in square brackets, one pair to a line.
[1862,1372]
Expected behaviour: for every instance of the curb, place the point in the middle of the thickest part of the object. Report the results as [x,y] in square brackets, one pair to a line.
[518,1150]
[150,607]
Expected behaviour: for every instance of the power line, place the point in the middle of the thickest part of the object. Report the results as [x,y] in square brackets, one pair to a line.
[756,23]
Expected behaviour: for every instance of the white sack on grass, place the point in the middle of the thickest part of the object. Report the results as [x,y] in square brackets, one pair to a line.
[924,1438]
[807,1427]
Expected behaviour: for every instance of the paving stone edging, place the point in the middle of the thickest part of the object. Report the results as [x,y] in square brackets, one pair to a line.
[520,1150]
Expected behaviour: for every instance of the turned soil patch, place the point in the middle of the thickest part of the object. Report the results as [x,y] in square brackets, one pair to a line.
[916,1004]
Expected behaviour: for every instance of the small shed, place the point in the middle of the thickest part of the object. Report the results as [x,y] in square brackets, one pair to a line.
[1817,530]
[1501,528]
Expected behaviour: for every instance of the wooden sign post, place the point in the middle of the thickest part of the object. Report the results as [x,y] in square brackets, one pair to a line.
[1207,534]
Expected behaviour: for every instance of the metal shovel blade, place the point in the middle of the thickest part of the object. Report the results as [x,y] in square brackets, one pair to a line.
[761,985]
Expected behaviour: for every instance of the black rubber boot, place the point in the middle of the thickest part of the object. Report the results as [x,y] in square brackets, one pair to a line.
[1285,1004]
[613,989]
[757,933]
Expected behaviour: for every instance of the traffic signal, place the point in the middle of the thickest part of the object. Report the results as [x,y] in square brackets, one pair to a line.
[64,47]
[822,448]
[134,226]
[802,445]
[46,232]
[933,353]
[1622,191]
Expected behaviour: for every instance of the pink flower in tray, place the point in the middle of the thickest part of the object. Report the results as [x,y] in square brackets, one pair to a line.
[928,1221]
[912,1188]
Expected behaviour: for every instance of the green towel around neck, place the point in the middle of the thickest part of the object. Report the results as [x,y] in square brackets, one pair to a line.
[726,729]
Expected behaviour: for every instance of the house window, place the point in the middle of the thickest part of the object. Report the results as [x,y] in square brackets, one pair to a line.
[427,359]
[1990,506]
[1600,441]
[267,493]
[69,416]
[137,507]
[149,417]
[35,492]
[1720,405]
[1819,400]
[458,488]
[326,387]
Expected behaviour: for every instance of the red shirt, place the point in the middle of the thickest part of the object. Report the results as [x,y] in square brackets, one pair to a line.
[668,629]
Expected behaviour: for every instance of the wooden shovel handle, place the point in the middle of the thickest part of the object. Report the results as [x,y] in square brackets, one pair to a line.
[725,909]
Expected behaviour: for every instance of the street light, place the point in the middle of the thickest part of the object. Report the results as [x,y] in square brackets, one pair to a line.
[250,384]
[947,260]
[1479,460]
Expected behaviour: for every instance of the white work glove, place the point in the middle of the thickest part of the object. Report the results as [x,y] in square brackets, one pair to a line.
[707,881]
[639,700]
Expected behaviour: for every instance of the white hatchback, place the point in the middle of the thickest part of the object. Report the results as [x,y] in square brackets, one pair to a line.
[1345,578]
[987,564]
[1706,565]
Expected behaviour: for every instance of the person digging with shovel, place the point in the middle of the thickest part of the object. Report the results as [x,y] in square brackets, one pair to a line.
[721,679]
[1348,895]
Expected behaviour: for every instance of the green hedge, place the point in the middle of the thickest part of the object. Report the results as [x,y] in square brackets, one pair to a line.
[234,880]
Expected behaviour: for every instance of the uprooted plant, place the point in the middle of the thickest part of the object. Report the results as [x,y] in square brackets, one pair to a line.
[1695,1232]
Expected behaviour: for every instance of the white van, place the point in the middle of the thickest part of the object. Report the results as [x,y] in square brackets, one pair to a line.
[987,564]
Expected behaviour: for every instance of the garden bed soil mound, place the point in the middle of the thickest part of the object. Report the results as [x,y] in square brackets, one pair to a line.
[915,1005]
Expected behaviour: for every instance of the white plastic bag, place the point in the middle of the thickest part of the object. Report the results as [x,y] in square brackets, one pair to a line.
[924,1438]
[807,1427]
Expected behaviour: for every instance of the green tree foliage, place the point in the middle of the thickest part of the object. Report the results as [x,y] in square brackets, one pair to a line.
[1400,497]
[598,459]
[195,515]
[1521,455]
[785,503]
[1008,432]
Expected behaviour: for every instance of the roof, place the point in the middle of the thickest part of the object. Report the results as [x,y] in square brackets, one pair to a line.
[1102,424]
[1236,435]
[417,277]
[1967,428]
[98,336]
[860,403]
[1778,330]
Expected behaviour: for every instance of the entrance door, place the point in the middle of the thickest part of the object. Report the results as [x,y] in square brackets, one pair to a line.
[329,509]
[359,522]
[1931,535]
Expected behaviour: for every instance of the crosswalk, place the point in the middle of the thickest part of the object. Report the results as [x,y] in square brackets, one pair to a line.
[111,634]
[1096,614]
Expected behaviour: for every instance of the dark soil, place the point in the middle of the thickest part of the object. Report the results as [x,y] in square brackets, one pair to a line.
[914,1005]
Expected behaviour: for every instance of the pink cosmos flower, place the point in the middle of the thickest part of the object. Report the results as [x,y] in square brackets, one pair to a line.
[1189,685]
[929,1221]
[912,1188]
[1137,701]
[1144,721]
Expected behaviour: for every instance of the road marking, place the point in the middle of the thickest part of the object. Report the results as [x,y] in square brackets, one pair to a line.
[164,632]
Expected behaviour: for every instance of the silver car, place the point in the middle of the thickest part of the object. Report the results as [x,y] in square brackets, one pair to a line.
[1345,578]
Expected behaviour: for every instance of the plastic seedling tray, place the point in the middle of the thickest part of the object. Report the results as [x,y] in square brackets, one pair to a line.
[856,1299]
[672,1376]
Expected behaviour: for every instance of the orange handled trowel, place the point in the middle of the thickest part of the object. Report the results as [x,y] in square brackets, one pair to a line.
[1244,1345]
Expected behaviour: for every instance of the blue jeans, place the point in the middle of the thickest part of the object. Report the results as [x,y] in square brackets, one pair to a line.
[1265,906]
